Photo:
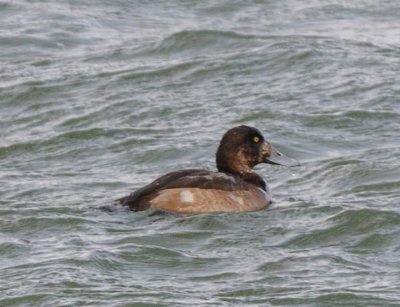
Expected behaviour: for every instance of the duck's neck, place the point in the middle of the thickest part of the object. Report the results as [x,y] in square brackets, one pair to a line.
[254,178]
[237,165]
[249,176]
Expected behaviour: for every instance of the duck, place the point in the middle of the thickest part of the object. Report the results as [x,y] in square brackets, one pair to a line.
[234,187]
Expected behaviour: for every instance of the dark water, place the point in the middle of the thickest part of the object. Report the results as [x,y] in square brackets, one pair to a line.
[98,98]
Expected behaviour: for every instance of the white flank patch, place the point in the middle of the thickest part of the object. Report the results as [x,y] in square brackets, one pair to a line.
[186,196]
[237,199]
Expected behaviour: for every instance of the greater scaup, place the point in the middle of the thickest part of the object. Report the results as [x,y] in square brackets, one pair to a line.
[235,187]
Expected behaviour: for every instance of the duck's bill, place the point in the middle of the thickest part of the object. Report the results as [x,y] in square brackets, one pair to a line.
[279,158]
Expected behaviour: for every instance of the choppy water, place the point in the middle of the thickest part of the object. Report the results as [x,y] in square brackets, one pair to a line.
[98,98]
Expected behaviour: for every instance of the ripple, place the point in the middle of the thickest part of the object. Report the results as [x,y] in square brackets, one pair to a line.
[192,42]
[359,224]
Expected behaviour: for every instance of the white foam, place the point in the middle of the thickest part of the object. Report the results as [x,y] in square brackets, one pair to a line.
[267,194]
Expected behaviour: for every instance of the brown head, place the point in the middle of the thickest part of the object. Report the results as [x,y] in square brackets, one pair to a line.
[243,147]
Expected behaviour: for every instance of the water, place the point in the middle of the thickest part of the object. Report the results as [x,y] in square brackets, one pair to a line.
[98,99]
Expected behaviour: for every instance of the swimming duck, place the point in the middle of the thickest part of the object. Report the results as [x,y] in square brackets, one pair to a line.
[235,187]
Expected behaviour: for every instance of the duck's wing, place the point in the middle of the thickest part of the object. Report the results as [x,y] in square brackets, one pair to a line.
[132,201]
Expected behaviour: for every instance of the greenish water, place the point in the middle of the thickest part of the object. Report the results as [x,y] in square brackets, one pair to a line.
[99,98]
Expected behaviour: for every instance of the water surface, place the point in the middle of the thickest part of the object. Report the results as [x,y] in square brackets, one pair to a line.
[98,99]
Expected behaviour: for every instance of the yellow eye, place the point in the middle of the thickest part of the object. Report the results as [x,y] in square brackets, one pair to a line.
[256,139]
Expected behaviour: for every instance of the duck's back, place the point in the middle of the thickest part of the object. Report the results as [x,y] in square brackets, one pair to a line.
[198,191]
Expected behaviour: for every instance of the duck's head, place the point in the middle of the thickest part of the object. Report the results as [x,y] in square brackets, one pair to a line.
[243,147]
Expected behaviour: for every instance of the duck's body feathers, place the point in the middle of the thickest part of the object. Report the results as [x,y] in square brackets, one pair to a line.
[214,190]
